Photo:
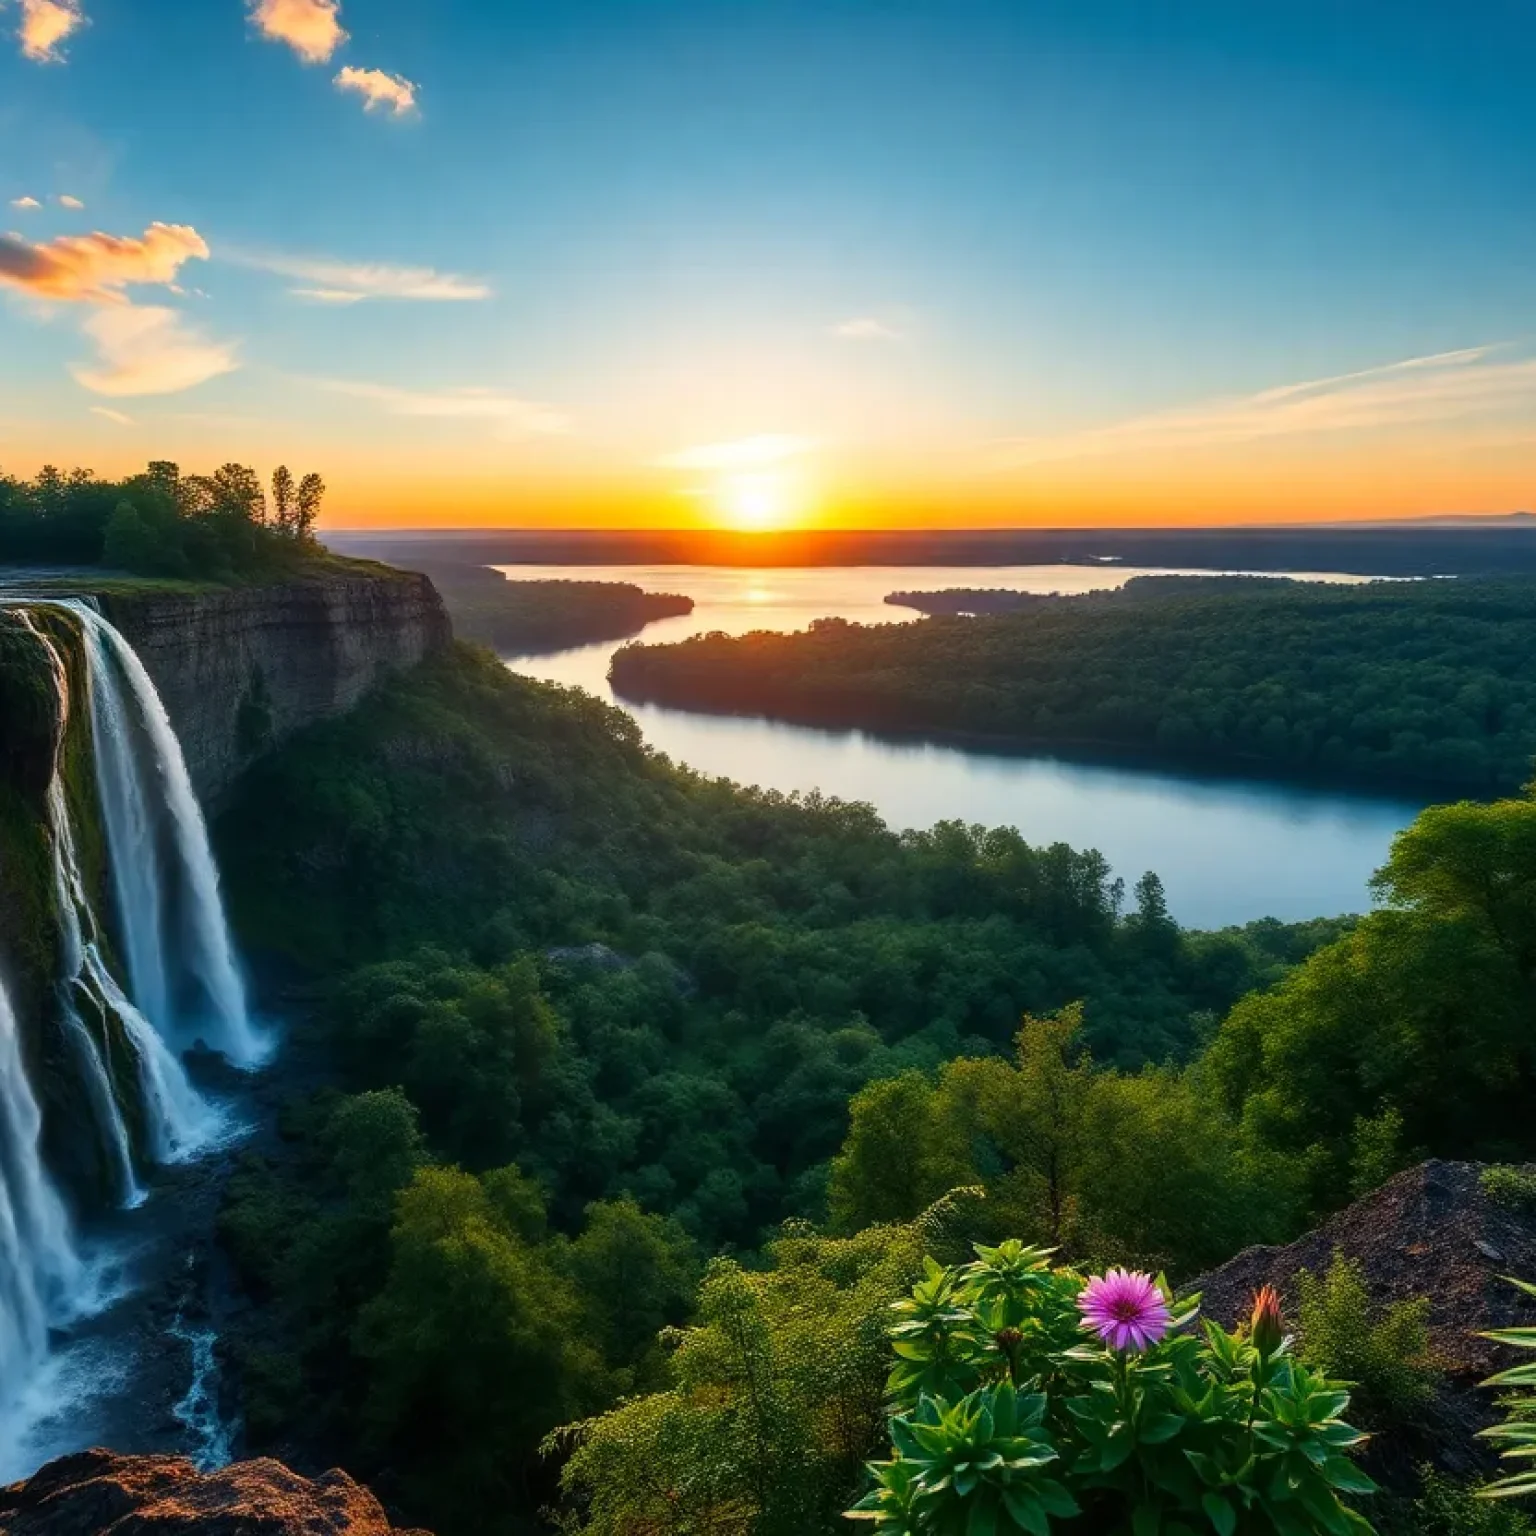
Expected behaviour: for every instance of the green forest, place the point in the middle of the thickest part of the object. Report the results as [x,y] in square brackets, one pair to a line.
[1389,683]
[219,527]
[633,1101]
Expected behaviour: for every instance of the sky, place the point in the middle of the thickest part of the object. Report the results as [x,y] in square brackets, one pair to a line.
[755,263]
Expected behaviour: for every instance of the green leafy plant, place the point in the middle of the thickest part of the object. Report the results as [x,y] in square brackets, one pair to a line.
[1383,1351]
[1026,1396]
[1517,1434]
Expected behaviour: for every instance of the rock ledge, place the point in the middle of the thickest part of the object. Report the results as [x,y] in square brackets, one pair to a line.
[98,1493]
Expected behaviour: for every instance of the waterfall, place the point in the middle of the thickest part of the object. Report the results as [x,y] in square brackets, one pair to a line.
[159,849]
[40,1272]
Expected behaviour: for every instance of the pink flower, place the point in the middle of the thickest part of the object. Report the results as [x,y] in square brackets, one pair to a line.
[1125,1309]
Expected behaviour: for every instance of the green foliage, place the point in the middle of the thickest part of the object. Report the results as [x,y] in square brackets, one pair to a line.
[1422,680]
[1446,1508]
[773,1400]
[1517,1434]
[1008,1416]
[1409,1037]
[1512,1187]
[1383,1351]
[161,522]
[1094,1161]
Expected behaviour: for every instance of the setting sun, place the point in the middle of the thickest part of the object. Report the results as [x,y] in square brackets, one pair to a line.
[754,502]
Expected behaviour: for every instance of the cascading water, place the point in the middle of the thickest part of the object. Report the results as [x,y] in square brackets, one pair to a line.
[41,1274]
[154,857]
[181,986]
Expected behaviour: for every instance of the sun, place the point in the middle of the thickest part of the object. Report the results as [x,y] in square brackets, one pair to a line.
[755,502]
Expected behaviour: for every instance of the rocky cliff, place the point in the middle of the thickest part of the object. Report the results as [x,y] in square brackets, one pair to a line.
[240,670]
[97,1493]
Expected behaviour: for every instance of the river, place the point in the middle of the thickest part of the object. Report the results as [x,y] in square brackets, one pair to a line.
[1228,849]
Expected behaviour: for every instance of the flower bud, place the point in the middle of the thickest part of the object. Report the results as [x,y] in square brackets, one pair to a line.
[1266,1328]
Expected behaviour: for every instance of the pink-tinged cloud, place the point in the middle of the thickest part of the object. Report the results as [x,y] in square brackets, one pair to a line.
[72,203]
[149,351]
[378,89]
[46,25]
[312,28]
[94,268]
[28,203]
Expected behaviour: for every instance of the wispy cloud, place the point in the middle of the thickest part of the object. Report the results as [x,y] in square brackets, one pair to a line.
[94,268]
[743,453]
[312,28]
[327,281]
[865,328]
[1419,390]
[513,417]
[117,418]
[379,89]
[46,25]
[27,203]
[72,203]
[149,351]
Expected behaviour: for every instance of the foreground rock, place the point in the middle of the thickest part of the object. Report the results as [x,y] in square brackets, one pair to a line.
[1429,1231]
[98,1493]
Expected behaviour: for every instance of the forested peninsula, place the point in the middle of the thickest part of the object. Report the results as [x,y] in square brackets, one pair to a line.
[1382,683]
[529,618]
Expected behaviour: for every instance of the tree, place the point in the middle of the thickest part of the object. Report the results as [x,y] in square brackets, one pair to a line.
[311,493]
[474,1345]
[284,504]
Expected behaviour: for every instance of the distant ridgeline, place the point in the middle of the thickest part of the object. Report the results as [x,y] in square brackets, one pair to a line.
[1425,682]
[114,957]
[530,617]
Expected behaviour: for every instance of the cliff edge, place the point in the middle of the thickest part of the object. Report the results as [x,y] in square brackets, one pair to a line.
[97,1493]
[241,669]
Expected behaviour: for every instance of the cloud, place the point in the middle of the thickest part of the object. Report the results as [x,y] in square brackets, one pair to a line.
[865,328]
[71,202]
[1416,391]
[312,28]
[515,418]
[378,89]
[45,24]
[94,267]
[117,418]
[149,351]
[28,203]
[743,453]
[325,281]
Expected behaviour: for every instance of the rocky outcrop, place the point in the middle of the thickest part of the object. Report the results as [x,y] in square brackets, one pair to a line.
[1430,1231]
[241,669]
[97,1493]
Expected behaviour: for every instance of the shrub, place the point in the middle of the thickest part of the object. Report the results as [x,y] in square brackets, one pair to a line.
[1511,1186]
[1382,1351]
[1026,1396]
[1447,1508]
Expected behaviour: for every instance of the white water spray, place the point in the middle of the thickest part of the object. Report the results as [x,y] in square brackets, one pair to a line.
[135,807]
[40,1272]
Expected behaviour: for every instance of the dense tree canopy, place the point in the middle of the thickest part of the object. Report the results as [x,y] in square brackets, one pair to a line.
[591,1018]
[1389,681]
[161,522]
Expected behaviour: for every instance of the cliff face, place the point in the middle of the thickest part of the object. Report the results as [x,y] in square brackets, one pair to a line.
[99,1494]
[241,670]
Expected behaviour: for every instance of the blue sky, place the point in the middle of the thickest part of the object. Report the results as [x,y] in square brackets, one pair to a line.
[963,261]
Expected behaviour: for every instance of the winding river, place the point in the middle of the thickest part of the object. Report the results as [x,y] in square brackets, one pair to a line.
[1228,849]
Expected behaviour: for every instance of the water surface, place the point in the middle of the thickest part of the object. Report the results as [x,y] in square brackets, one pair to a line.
[1228,849]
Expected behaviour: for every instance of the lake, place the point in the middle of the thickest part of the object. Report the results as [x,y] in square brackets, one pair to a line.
[1228,849]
